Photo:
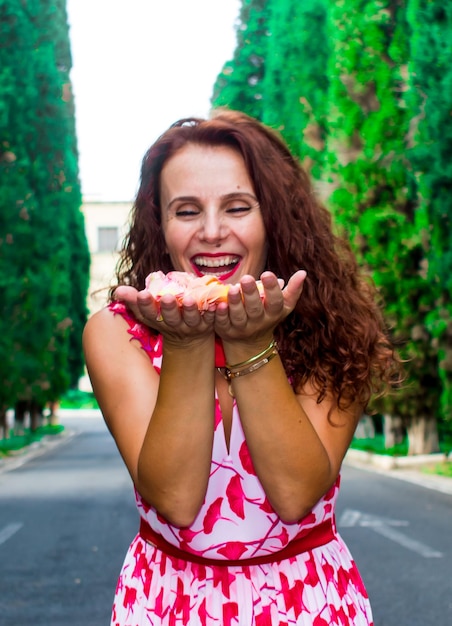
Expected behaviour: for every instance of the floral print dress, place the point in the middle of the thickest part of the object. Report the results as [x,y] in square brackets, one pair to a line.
[319,587]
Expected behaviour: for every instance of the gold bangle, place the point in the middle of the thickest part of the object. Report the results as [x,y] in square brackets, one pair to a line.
[252,368]
[251,360]
[252,364]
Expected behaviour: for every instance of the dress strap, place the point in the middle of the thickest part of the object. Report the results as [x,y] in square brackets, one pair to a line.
[314,538]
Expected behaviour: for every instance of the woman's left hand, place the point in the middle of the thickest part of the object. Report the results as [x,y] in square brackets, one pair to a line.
[247,316]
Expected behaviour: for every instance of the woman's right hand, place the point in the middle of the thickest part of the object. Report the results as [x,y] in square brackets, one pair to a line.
[175,322]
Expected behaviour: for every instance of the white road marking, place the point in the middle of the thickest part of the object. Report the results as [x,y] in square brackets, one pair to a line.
[8,531]
[385,526]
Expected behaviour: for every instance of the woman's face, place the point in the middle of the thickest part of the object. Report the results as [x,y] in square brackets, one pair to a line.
[211,219]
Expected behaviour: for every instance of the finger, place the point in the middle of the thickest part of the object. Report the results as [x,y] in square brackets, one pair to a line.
[294,289]
[190,312]
[273,296]
[126,294]
[269,280]
[148,308]
[170,311]
[236,307]
[207,320]
[252,300]
[208,316]
[132,298]
[222,322]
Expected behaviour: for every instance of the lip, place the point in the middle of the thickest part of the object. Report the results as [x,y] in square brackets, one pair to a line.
[223,277]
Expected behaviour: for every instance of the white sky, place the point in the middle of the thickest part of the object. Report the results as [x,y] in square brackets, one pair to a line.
[138,66]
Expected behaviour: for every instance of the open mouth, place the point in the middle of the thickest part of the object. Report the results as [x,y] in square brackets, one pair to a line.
[220,266]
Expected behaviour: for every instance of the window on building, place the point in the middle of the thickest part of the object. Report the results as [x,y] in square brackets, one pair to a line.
[107,238]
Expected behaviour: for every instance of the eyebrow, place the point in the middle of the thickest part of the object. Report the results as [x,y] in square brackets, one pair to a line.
[229,196]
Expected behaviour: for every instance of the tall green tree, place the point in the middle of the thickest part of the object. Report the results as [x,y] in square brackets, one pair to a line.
[239,85]
[296,80]
[43,251]
[375,195]
[430,72]
[13,220]
[278,73]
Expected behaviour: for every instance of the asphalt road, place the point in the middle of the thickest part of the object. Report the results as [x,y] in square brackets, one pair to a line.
[71,514]
[67,516]
[400,535]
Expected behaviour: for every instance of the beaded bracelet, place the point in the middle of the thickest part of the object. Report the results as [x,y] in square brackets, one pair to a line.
[252,364]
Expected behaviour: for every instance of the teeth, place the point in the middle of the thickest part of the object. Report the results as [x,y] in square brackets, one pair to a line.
[215,262]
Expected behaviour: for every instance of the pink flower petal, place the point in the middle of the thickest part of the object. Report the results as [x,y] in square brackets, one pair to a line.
[206,290]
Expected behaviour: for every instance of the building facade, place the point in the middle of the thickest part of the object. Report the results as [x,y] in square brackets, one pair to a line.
[106,225]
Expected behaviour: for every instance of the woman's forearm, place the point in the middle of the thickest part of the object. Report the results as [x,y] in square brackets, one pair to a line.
[174,462]
[291,460]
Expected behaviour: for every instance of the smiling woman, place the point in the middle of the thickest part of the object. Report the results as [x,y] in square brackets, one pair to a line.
[233,417]
[208,203]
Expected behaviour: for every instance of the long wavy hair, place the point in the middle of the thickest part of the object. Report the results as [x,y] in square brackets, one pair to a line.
[336,337]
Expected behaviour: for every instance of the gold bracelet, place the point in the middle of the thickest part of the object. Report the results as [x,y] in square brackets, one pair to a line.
[252,364]
[251,360]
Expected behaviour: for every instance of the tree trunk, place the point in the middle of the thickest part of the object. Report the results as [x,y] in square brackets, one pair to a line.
[394,431]
[422,435]
[53,418]
[35,416]
[4,426]
[20,415]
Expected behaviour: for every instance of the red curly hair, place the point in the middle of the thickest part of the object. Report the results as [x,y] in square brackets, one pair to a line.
[335,338]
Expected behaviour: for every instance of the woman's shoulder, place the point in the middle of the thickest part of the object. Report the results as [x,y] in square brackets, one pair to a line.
[111,323]
[116,315]
[108,316]
[103,326]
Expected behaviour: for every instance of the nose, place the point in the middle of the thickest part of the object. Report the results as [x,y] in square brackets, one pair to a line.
[214,228]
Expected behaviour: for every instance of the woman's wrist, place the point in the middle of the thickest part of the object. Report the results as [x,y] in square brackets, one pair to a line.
[253,363]
[203,344]
[239,353]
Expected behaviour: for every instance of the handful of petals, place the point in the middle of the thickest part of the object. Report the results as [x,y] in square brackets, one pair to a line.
[206,290]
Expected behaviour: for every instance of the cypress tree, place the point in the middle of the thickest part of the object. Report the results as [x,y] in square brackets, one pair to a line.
[42,231]
[278,72]
[375,192]
[296,79]
[239,85]
[17,198]
[431,156]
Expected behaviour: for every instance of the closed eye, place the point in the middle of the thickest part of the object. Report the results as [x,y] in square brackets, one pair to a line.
[186,212]
[238,209]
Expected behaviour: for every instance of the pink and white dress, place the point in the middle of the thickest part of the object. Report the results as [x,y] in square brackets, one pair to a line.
[317,587]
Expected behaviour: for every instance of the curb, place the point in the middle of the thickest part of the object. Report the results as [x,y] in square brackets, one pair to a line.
[17,458]
[402,468]
[23,455]
[385,461]
[80,413]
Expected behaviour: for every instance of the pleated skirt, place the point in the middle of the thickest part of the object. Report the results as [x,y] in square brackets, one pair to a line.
[321,587]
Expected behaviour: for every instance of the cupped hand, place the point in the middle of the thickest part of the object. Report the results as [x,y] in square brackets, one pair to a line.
[248,316]
[174,321]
